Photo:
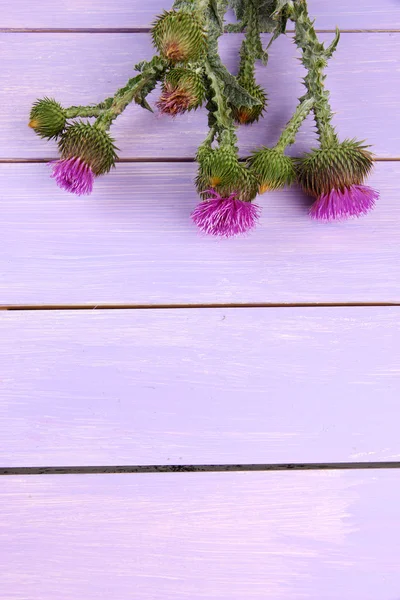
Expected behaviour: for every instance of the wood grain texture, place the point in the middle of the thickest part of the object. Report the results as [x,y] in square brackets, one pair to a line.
[356,14]
[219,536]
[196,386]
[132,242]
[86,68]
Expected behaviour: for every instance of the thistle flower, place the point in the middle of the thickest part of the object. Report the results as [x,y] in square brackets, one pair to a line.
[352,201]
[272,168]
[73,175]
[47,118]
[335,176]
[225,216]
[179,36]
[86,152]
[245,115]
[220,170]
[182,90]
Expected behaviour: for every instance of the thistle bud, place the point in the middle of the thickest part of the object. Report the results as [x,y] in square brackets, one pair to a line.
[91,144]
[245,115]
[182,90]
[220,171]
[86,152]
[47,118]
[334,175]
[219,166]
[272,168]
[179,36]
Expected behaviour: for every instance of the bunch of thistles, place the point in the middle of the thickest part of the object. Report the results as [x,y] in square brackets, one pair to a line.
[192,75]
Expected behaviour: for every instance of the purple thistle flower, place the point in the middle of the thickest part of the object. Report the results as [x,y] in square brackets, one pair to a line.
[73,175]
[353,201]
[225,217]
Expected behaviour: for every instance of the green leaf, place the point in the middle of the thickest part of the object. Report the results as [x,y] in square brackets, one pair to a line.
[235,94]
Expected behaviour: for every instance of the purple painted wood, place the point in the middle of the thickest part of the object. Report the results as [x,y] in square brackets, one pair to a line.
[132,242]
[197,386]
[271,536]
[40,64]
[132,13]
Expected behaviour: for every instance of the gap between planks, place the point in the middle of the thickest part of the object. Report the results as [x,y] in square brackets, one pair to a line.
[101,306]
[139,159]
[143,469]
[147,30]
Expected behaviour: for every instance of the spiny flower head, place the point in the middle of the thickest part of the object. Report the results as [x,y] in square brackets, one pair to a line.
[353,201]
[86,152]
[73,175]
[220,170]
[183,89]
[47,118]
[225,216]
[91,144]
[272,168]
[245,115]
[334,168]
[179,36]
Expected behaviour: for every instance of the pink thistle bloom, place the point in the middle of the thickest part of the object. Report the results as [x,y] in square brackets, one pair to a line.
[354,201]
[225,217]
[73,175]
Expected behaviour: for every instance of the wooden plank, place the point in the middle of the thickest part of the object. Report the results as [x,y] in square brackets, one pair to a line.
[132,242]
[196,386]
[274,536]
[41,64]
[124,13]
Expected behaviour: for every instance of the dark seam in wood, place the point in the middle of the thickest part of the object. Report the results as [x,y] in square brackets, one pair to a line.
[148,29]
[100,306]
[139,469]
[140,159]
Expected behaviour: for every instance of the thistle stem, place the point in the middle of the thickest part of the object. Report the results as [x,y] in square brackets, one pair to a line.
[251,48]
[288,135]
[136,89]
[88,111]
[315,57]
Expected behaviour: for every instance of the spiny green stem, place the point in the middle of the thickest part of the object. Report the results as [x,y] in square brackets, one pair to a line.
[251,48]
[88,111]
[136,90]
[314,58]
[222,118]
[288,135]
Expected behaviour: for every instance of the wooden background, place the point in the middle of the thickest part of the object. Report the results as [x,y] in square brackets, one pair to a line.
[127,339]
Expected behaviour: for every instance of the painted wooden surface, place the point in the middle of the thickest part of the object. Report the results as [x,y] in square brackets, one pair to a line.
[132,242]
[195,386]
[364,92]
[356,14]
[270,536]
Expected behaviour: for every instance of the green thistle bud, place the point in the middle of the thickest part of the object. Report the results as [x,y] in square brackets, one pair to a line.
[47,118]
[220,170]
[334,168]
[179,36]
[93,145]
[219,166]
[272,168]
[245,115]
[182,90]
